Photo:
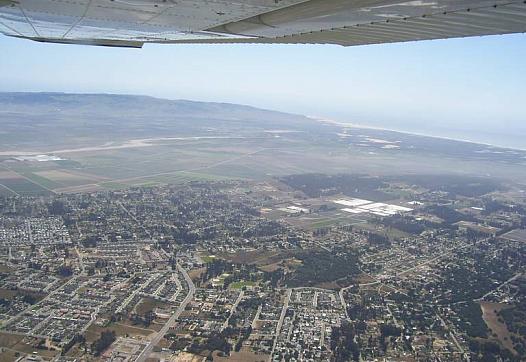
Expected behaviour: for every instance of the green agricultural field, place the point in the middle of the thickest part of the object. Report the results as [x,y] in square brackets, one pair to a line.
[23,186]
[242,284]
[42,181]
[177,177]
[5,191]
[113,185]
[208,258]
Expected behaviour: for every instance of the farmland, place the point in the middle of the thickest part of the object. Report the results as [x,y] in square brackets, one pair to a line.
[151,142]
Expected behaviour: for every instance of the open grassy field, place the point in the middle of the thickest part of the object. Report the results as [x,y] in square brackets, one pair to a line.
[9,340]
[9,355]
[499,331]
[23,345]
[244,355]
[94,331]
[149,305]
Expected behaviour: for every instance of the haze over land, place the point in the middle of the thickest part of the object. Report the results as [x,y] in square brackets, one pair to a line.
[100,141]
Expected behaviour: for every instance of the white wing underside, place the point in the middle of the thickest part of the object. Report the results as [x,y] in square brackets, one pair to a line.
[132,23]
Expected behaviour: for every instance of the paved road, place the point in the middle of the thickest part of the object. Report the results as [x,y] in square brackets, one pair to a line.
[499,287]
[169,324]
[240,296]
[453,336]
[81,261]
[280,322]
[342,301]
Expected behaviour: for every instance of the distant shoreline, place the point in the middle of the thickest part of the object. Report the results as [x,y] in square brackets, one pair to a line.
[362,126]
[131,143]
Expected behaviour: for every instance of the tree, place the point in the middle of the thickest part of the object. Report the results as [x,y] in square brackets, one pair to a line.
[105,340]
[65,271]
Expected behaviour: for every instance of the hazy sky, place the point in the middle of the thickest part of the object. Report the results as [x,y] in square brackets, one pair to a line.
[445,87]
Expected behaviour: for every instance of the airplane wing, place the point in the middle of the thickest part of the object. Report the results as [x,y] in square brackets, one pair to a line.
[131,23]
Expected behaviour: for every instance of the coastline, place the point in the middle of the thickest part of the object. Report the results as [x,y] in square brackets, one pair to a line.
[363,126]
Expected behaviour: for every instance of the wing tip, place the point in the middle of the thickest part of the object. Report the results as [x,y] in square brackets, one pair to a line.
[93,42]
